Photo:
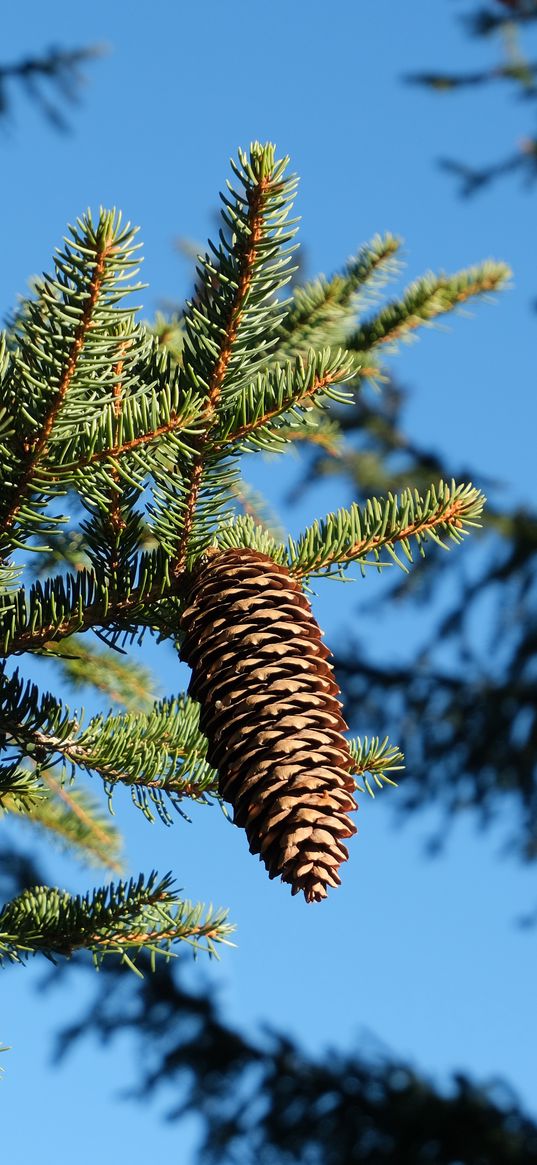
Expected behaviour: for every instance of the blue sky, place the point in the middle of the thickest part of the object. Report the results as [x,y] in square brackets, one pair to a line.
[424,955]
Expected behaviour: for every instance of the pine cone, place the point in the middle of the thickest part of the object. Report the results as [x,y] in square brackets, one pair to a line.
[272,716]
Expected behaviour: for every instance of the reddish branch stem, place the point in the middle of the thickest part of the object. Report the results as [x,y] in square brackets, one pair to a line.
[255,223]
[34,452]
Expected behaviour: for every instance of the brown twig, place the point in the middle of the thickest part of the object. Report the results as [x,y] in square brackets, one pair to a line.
[115,451]
[97,614]
[115,515]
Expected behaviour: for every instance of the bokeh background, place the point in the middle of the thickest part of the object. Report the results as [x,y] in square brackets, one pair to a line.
[417,957]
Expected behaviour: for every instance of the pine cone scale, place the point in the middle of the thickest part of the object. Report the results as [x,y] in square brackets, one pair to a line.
[271,723]
[272,716]
[255,643]
[279,679]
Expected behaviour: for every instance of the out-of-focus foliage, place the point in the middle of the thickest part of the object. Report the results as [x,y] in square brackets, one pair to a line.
[468,702]
[52,82]
[508,24]
[265,1100]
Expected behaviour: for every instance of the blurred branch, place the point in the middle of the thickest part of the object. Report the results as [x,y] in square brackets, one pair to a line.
[262,1101]
[504,20]
[500,16]
[18,872]
[474,178]
[51,81]
[122,679]
[522,72]
[469,729]
[75,821]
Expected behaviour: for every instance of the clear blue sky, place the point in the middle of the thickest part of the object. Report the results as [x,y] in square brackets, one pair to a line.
[424,955]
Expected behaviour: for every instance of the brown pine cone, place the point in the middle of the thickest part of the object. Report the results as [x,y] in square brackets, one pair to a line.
[271,712]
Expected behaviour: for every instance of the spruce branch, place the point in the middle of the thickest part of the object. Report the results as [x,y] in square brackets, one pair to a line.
[322,311]
[123,680]
[24,713]
[375,757]
[282,397]
[74,820]
[20,788]
[425,300]
[142,418]
[122,920]
[229,326]
[115,529]
[159,755]
[35,449]
[59,608]
[246,531]
[61,368]
[447,511]
[66,604]
[99,407]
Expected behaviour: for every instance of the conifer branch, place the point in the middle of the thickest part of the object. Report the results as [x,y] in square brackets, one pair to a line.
[93,405]
[229,327]
[149,423]
[60,372]
[263,181]
[20,788]
[33,451]
[375,757]
[68,604]
[160,754]
[246,531]
[321,312]
[121,679]
[120,920]
[286,394]
[426,300]
[114,453]
[356,535]
[74,820]
[116,519]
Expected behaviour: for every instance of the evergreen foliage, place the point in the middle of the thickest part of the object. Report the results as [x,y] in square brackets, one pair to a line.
[264,1098]
[504,22]
[142,435]
[447,511]
[74,820]
[117,919]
